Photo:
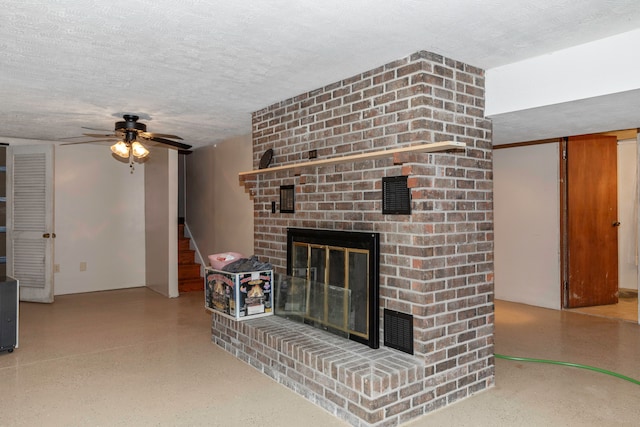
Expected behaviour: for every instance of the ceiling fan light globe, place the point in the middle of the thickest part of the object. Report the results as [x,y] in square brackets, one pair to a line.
[139,151]
[120,149]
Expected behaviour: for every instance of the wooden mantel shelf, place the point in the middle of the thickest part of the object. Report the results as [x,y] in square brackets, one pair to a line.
[422,148]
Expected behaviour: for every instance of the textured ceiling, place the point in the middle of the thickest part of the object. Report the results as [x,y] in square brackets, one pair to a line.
[198,68]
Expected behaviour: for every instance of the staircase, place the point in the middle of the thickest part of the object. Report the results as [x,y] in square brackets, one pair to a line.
[189,279]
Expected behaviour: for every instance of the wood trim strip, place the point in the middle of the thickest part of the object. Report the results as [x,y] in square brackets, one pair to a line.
[620,134]
[527,143]
[623,134]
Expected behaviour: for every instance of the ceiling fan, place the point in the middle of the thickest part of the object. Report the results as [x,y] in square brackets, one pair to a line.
[128,134]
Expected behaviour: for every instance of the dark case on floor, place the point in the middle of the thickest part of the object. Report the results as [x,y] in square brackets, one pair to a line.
[8,314]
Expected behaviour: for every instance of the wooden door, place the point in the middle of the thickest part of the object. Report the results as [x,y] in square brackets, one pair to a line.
[592,221]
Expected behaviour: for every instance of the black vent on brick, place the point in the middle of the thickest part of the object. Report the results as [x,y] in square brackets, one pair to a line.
[396,197]
[398,330]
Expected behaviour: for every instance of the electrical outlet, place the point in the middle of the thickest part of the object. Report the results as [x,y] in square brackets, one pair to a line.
[56,268]
[83,266]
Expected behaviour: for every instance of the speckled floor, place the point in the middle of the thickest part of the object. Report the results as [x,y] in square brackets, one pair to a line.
[134,358]
[625,309]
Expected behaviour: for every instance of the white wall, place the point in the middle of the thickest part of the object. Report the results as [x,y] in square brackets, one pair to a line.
[99,220]
[161,228]
[603,67]
[219,211]
[627,214]
[527,225]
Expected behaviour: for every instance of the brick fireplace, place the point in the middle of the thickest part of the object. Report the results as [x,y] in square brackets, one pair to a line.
[436,263]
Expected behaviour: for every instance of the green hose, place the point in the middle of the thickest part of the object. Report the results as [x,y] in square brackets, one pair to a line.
[574,365]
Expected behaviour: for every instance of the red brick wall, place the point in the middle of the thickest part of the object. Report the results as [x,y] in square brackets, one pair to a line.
[436,263]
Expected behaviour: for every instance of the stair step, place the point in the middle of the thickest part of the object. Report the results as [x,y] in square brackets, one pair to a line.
[191,285]
[186,256]
[188,271]
[183,243]
[189,279]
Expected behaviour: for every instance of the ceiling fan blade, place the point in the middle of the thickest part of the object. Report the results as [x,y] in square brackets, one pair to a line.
[149,135]
[89,135]
[99,135]
[87,142]
[71,137]
[74,143]
[102,130]
[178,145]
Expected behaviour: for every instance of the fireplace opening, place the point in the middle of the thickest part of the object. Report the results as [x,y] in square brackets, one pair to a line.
[332,282]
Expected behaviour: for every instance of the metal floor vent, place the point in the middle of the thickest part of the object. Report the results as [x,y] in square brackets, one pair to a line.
[396,197]
[398,330]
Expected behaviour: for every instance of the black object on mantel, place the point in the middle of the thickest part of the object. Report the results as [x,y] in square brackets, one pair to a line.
[265,160]
[247,264]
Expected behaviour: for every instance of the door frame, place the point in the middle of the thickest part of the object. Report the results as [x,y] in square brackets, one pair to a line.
[638,215]
[564,234]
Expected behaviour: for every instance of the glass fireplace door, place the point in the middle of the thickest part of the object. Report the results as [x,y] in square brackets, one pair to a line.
[332,282]
[336,286]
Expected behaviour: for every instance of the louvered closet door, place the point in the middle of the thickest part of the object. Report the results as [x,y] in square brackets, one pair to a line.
[30,220]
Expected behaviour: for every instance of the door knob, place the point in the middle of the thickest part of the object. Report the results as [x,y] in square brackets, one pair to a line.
[616,224]
[46,235]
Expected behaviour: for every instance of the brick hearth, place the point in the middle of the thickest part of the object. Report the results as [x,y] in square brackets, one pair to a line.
[351,381]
